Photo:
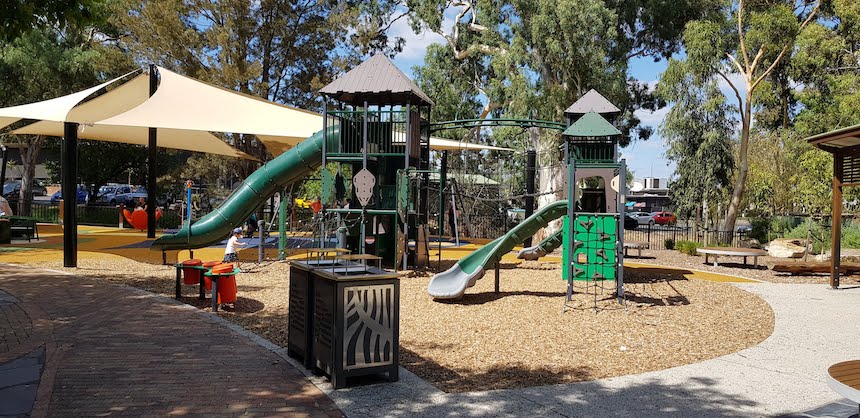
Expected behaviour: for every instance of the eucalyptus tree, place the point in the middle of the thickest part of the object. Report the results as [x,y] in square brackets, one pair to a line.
[698,131]
[742,46]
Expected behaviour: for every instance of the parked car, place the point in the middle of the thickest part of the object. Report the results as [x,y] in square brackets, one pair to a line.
[630,223]
[115,194]
[83,195]
[665,218]
[13,189]
[643,218]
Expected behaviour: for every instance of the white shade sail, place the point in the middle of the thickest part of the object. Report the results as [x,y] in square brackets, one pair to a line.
[442,144]
[56,109]
[198,141]
[184,103]
[120,99]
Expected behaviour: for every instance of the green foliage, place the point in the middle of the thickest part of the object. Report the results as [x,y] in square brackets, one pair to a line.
[687,247]
[19,17]
[669,244]
[698,131]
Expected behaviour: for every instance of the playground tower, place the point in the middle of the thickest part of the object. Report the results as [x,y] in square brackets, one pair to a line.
[596,186]
[382,144]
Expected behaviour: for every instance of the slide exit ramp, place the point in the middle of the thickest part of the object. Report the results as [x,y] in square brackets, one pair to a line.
[451,284]
[268,179]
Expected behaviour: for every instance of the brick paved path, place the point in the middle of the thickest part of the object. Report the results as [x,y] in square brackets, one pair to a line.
[115,350]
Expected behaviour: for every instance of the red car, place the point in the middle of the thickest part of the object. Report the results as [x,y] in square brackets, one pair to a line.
[665,218]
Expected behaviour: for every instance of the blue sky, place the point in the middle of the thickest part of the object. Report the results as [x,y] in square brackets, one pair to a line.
[644,158]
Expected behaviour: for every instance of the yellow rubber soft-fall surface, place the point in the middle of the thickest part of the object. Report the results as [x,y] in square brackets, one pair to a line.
[107,243]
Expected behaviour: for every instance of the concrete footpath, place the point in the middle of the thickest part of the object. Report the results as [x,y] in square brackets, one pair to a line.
[74,346]
[783,376]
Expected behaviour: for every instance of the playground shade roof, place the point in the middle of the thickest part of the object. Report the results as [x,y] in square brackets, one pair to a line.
[378,81]
[592,101]
[56,109]
[466,179]
[187,104]
[838,138]
[591,125]
[121,98]
[441,144]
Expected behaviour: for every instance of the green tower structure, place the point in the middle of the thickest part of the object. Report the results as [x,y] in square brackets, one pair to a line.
[593,231]
[382,140]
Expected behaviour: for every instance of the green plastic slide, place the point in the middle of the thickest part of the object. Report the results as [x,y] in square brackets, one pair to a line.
[268,179]
[453,283]
[548,245]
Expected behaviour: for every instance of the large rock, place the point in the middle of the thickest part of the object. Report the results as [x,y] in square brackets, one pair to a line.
[786,248]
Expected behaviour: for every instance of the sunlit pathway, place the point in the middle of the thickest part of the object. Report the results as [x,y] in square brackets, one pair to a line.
[116,350]
[784,375]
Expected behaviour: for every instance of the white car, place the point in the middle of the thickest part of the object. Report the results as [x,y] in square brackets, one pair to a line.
[644,218]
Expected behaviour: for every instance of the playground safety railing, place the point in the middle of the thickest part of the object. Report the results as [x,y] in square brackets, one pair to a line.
[98,215]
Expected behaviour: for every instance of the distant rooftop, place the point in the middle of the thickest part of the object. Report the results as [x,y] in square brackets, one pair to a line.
[377,81]
[592,102]
[591,125]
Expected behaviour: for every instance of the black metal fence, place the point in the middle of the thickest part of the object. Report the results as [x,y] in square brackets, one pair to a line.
[657,235]
[99,215]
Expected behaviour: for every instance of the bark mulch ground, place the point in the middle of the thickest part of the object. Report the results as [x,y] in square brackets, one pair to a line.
[519,337]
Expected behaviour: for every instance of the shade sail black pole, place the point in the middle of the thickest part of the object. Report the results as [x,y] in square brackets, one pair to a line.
[3,167]
[70,194]
[150,163]
[443,181]
[531,159]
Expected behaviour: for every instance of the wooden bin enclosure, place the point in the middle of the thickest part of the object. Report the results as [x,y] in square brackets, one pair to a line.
[300,320]
[356,322]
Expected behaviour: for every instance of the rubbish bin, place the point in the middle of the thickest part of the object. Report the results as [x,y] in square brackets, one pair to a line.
[356,322]
[5,231]
[301,301]
[191,271]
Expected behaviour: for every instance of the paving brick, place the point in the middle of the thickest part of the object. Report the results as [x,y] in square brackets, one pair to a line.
[138,355]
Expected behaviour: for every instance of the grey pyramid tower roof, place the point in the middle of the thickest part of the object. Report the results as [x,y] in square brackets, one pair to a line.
[591,125]
[378,81]
[592,102]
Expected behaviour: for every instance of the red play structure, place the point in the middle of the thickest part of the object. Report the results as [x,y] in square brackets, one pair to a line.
[138,218]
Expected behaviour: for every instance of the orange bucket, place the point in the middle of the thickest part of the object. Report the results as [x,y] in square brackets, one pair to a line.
[206,280]
[190,273]
[227,289]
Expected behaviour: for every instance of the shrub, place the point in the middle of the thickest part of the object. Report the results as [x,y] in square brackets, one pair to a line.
[759,229]
[687,247]
[669,244]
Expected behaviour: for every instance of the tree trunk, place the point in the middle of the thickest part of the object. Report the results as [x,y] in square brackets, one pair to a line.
[552,178]
[743,168]
[29,156]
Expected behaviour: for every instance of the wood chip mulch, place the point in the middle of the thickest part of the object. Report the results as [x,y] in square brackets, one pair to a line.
[519,337]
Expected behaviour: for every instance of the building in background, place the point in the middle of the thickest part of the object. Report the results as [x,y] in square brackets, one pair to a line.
[649,194]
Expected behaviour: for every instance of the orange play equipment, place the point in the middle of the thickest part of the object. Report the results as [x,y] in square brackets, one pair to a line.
[227,290]
[208,266]
[190,271]
[138,218]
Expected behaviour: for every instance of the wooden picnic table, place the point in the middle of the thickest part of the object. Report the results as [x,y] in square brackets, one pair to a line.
[844,379]
[731,252]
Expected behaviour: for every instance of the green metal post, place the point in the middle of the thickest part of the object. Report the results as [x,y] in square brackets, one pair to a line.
[282,225]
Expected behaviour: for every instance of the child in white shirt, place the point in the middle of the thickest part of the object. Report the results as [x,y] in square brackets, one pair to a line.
[230,254]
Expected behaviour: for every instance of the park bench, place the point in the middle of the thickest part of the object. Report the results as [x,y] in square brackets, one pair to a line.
[636,245]
[731,252]
[23,226]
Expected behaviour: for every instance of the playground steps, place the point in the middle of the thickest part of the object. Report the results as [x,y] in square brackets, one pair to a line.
[807,267]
